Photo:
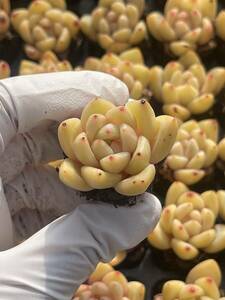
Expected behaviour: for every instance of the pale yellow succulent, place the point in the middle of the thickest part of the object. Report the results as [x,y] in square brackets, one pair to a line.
[185,88]
[4,69]
[221,147]
[4,17]
[220,25]
[128,67]
[187,224]
[185,25]
[45,25]
[115,24]
[194,151]
[114,146]
[108,284]
[48,63]
[202,283]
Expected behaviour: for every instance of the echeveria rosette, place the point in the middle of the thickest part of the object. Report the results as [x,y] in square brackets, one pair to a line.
[114,146]
[128,66]
[185,88]
[4,18]
[115,24]
[194,151]
[45,25]
[106,283]
[185,25]
[4,69]
[202,283]
[187,224]
[48,63]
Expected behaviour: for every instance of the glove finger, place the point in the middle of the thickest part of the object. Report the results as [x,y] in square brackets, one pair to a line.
[56,260]
[33,148]
[57,96]
[40,189]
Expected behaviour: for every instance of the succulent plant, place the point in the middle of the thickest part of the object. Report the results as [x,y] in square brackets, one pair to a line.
[185,88]
[45,25]
[187,223]
[4,69]
[49,62]
[4,17]
[107,284]
[115,24]
[194,151]
[185,25]
[128,67]
[202,282]
[114,147]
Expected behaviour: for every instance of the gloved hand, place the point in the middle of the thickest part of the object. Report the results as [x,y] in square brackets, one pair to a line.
[31,107]
[57,259]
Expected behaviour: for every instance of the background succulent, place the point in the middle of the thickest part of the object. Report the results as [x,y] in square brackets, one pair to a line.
[202,282]
[184,25]
[185,88]
[115,24]
[115,147]
[187,223]
[194,151]
[45,25]
[4,17]
[128,67]
[49,62]
[107,284]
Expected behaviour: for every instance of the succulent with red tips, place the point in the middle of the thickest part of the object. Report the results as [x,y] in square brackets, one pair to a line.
[114,147]
[115,24]
[128,66]
[188,222]
[185,25]
[48,63]
[45,25]
[108,284]
[194,151]
[202,282]
[185,88]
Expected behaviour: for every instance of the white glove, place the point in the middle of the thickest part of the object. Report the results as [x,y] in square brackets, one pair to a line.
[57,259]
[27,104]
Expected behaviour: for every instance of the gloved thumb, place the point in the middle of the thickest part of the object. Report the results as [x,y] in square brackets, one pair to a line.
[56,260]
